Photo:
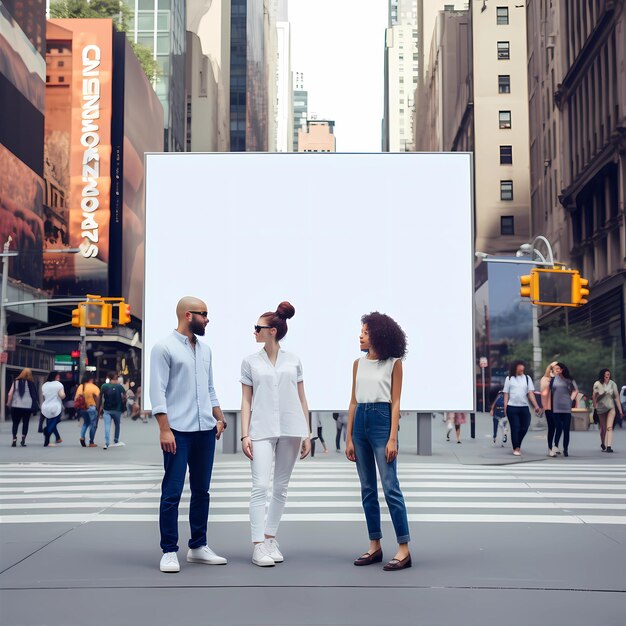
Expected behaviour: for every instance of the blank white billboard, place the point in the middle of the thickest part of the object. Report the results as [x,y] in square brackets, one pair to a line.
[337,235]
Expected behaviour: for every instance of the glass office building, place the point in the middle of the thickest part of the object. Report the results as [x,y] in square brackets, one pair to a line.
[160,26]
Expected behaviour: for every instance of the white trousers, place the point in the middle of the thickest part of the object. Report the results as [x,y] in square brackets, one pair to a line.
[282,452]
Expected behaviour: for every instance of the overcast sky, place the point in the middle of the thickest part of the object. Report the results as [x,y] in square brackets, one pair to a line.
[339,45]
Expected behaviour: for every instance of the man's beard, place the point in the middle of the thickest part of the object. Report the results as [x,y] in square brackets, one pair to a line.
[197,328]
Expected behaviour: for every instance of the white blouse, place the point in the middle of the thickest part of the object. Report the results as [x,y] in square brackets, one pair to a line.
[373,380]
[276,407]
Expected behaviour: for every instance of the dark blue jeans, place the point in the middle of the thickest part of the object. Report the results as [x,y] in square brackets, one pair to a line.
[90,420]
[51,427]
[519,418]
[562,423]
[370,433]
[196,450]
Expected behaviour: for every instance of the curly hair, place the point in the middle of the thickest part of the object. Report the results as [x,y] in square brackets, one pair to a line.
[601,374]
[386,336]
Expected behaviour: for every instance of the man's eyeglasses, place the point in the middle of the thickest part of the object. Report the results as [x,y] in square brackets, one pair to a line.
[202,313]
[258,329]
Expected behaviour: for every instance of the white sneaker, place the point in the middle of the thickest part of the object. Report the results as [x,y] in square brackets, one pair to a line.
[271,545]
[552,453]
[556,450]
[105,446]
[261,557]
[169,563]
[205,555]
[118,444]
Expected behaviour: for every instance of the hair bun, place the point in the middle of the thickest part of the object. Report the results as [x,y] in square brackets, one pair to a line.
[285,310]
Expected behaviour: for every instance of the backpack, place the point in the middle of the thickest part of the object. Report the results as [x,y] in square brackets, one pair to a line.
[111,396]
[498,407]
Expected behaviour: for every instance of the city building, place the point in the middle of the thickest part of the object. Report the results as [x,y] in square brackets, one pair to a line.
[318,136]
[102,116]
[202,95]
[401,75]
[482,107]
[284,90]
[300,107]
[577,92]
[249,75]
[210,20]
[160,25]
[22,189]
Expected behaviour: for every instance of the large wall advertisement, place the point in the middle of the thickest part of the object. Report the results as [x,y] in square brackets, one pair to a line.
[79,52]
[22,74]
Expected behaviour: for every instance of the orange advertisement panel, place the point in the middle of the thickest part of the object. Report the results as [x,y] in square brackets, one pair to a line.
[87,131]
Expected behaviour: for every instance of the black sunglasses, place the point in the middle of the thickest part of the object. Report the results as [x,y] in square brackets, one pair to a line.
[202,313]
[258,329]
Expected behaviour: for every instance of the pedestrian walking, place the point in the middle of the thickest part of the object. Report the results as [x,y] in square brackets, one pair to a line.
[130,398]
[546,403]
[455,420]
[518,391]
[607,404]
[372,440]
[110,407]
[622,400]
[341,421]
[52,407]
[500,421]
[86,403]
[22,399]
[190,420]
[563,392]
[316,427]
[275,428]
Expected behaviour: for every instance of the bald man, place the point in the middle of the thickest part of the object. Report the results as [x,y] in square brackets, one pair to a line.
[187,410]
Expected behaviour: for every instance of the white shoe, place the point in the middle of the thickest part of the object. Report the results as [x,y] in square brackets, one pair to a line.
[556,450]
[169,563]
[261,557]
[105,446]
[552,453]
[118,444]
[517,453]
[271,545]
[205,555]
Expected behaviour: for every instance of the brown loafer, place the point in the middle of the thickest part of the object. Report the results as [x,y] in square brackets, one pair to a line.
[368,559]
[395,564]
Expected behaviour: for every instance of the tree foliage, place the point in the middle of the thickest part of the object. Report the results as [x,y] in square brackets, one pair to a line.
[583,356]
[121,15]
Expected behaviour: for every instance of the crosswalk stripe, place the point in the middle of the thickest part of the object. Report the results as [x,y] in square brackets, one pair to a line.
[329,491]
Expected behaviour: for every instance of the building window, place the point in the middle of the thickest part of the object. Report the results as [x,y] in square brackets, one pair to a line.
[505,119]
[506,155]
[502,16]
[61,64]
[504,50]
[506,190]
[507,225]
[61,79]
[504,83]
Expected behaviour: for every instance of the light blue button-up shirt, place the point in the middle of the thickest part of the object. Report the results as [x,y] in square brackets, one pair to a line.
[181,383]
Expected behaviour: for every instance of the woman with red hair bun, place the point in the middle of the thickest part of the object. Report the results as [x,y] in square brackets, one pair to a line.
[275,428]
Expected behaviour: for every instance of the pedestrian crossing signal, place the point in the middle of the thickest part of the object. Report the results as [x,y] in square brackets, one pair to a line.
[78,317]
[123,313]
[554,287]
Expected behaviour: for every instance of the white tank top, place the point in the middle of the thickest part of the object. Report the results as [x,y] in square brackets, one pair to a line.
[373,380]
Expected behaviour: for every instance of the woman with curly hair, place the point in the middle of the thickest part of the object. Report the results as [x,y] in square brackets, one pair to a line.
[372,438]
[606,401]
[275,428]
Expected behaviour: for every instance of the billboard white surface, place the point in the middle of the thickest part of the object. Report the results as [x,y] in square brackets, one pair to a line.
[337,235]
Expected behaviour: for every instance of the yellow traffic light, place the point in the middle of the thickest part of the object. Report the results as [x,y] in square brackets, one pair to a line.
[78,317]
[580,289]
[528,287]
[123,313]
[98,314]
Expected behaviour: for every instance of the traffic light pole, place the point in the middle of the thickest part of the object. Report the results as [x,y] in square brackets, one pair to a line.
[82,363]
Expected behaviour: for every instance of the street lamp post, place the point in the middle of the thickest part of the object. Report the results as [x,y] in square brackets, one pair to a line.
[3,323]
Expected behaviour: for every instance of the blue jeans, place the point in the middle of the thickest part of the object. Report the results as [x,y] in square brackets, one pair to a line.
[370,434]
[51,427]
[196,450]
[90,420]
[116,416]
[519,418]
